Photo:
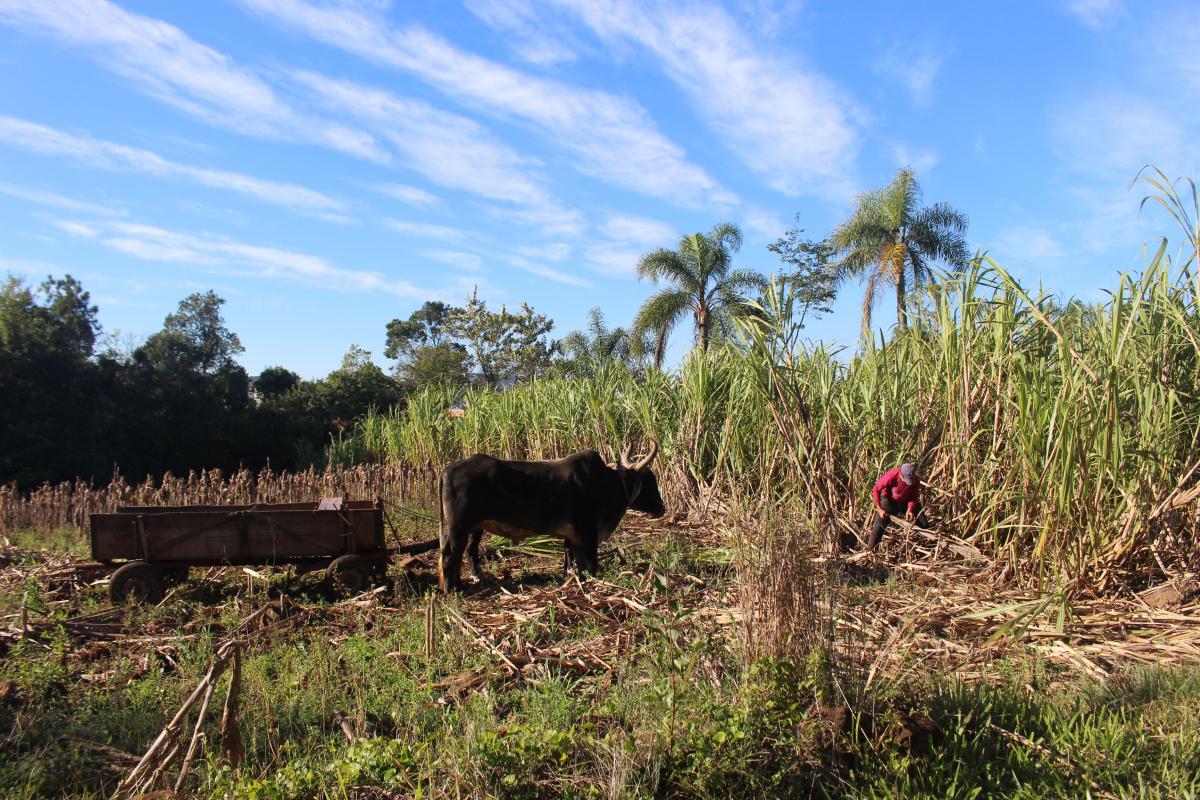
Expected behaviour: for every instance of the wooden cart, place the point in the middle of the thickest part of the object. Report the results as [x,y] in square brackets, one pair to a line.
[159,544]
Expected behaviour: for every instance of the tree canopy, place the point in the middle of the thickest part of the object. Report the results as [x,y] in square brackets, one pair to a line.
[701,281]
[890,239]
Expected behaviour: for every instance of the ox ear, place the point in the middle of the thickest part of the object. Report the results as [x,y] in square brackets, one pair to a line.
[645,460]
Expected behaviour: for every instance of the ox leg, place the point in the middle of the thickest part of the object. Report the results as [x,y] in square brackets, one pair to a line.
[589,556]
[473,554]
[453,543]
[568,558]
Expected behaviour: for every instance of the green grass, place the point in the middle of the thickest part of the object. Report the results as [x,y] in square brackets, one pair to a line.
[680,716]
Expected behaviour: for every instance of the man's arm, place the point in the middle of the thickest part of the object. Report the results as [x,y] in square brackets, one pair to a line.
[881,486]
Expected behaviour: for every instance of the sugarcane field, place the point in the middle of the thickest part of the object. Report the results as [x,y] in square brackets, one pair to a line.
[599,400]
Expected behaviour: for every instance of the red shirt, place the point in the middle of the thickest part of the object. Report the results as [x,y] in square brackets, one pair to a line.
[891,485]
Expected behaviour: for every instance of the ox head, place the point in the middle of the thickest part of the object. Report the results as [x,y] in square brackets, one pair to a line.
[640,481]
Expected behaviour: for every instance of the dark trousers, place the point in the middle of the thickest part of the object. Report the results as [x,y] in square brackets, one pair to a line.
[879,524]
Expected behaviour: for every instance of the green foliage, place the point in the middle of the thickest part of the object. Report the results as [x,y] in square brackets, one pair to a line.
[890,239]
[47,381]
[808,273]
[273,382]
[703,282]
[585,352]
[440,344]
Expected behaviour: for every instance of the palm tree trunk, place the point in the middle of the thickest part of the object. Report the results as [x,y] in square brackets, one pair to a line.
[703,323]
[901,315]
[660,348]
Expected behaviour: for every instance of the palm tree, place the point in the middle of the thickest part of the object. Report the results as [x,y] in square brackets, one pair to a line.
[890,238]
[702,282]
[586,351]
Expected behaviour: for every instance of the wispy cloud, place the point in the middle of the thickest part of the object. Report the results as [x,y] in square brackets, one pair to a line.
[53,199]
[609,258]
[1111,135]
[628,229]
[1176,51]
[457,258]
[449,149]
[1023,244]
[170,66]
[554,251]
[27,267]
[766,224]
[915,66]
[1095,13]
[921,159]
[613,137]
[550,220]
[532,266]
[101,154]
[151,243]
[527,34]
[785,121]
[425,230]
[409,194]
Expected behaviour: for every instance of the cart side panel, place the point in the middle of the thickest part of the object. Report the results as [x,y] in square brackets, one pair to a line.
[114,537]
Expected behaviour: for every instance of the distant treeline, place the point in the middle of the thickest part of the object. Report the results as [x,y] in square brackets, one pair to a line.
[78,404]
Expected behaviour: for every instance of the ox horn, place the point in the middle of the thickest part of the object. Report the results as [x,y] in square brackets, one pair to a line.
[626,455]
[646,459]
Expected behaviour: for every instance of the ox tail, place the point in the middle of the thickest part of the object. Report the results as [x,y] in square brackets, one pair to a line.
[441,528]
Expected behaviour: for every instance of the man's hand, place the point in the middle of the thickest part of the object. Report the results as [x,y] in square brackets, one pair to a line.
[910,516]
[882,514]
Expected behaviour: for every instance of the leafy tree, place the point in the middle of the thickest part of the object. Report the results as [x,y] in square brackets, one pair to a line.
[501,344]
[275,381]
[702,283]
[424,349]
[584,351]
[891,239]
[195,337]
[47,381]
[357,385]
[808,272]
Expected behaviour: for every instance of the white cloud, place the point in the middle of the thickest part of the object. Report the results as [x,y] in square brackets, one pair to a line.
[101,154]
[1176,50]
[1022,244]
[27,267]
[1112,135]
[425,230]
[613,259]
[455,258]
[554,251]
[627,229]
[80,229]
[550,220]
[921,159]
[526,33]
[785,121]
[913,66]
[409,194]
[614,138]
[558,276]
[766,224]
[170,66]
[1095,13]
[46,198]
[448,149]
[151,243]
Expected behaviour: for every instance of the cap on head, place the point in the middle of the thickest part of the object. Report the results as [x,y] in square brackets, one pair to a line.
[908,472]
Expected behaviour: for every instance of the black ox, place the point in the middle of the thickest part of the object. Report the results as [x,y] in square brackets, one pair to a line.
[579,498]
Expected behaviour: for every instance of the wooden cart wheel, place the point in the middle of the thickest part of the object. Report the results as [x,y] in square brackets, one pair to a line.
[349,574]
[137,582]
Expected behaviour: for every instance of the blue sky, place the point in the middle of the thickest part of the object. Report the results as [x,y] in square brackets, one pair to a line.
[328,165]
